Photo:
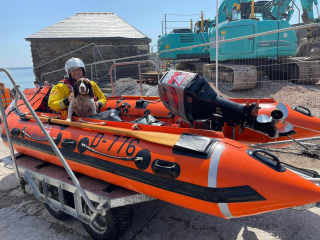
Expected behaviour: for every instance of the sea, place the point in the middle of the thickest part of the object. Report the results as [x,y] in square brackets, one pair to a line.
[23,76]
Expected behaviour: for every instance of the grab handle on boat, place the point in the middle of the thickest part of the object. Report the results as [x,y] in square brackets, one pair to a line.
[15,132]
[274,162]
[304,110]
[164,168]
[69,144]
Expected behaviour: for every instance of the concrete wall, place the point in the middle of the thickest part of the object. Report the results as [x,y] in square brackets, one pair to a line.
[44,51]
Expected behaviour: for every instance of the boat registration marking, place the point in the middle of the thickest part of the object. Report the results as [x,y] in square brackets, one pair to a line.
[131,148]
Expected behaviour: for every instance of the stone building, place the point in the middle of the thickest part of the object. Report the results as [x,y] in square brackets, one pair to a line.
[93,37]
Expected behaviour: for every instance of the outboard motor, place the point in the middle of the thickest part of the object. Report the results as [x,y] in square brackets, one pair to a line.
[191,97]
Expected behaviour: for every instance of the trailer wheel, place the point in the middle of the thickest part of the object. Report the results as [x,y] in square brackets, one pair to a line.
[53,193]
[114,224]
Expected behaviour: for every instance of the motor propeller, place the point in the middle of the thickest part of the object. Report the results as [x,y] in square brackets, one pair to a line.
[277,119]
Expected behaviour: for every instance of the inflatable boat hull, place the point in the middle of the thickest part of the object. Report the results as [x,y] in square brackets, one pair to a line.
[202,170]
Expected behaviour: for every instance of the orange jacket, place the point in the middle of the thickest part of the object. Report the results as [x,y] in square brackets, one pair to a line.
[6,98]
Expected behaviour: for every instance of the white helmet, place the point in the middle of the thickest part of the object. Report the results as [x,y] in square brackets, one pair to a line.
[73,63]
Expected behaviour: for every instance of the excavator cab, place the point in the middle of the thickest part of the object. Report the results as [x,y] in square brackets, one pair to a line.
[244,11]
[206,25]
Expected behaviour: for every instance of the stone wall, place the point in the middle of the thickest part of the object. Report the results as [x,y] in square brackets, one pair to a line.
[44,51]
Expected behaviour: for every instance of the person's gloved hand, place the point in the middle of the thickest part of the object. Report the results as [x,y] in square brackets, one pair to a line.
[98,106]
[70,96]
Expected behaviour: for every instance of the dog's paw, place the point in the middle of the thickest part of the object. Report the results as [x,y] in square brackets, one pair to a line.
[68,120]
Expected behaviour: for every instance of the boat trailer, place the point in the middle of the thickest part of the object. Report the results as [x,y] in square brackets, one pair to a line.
[45,178]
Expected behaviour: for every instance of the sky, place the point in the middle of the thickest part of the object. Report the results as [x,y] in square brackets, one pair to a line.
[21,18]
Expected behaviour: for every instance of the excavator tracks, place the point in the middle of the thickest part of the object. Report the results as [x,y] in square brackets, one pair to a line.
[239,77]
[231,76]
[301,71]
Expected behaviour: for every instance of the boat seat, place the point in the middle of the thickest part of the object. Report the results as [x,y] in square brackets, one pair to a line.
[149,120]
[109,115]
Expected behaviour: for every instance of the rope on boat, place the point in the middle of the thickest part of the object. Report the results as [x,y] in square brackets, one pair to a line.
[308,151]
[312,153]
[95,123]
[37,139]
[110,156]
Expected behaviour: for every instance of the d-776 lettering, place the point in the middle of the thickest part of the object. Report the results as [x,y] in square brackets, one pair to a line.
[130,150]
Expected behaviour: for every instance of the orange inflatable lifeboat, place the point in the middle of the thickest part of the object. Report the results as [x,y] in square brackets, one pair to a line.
[193,168]
[305,125]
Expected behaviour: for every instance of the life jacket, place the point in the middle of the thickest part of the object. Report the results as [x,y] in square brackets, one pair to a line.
[69,84]
[6,98]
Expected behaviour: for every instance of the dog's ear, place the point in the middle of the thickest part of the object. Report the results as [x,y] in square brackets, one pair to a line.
[91,95]
[76,89]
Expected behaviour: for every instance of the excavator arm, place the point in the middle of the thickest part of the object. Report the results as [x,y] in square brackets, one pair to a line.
[275,9]
[281,9]
[307,7]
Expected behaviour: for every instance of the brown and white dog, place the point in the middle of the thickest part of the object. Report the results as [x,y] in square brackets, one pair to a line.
[83,101]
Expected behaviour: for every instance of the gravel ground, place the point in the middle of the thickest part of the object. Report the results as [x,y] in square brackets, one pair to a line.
[286,92]
[129,86]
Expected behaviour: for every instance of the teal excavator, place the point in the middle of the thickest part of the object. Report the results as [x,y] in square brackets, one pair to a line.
[243,62]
